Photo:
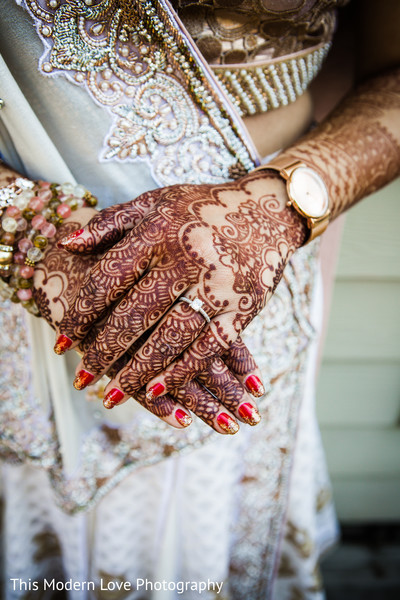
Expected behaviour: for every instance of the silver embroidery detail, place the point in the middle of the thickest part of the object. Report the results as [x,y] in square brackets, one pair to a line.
[162,122]
[139,72]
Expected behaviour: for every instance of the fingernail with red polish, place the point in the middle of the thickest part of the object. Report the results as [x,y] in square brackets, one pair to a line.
[69,238]
[254,385]
[156,390]
[249,413]
[183,418]
[83,379]
[228,424]
[62,344]
[113,397]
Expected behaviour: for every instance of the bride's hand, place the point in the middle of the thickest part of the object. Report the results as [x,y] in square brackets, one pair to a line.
[58,278]
[226,245]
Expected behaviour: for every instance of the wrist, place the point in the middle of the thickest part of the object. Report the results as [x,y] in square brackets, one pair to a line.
[270,182]
[31,212]
[307,193]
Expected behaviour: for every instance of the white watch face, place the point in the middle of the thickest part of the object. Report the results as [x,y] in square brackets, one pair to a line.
[309,192]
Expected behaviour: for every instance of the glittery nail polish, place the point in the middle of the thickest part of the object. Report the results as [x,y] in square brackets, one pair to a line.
[62,344]
[254,385]
[83,379]
[156,390]
[69,238]
[182,417]
[228,424]
[249,413]
[113,397]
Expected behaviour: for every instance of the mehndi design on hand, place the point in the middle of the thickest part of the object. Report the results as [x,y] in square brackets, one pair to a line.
[56,281]
[226,245]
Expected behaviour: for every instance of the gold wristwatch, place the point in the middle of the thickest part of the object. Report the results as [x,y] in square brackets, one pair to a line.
[307,193]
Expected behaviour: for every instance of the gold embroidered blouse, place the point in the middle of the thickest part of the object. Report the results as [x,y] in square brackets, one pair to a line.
[242,31]
[265,53]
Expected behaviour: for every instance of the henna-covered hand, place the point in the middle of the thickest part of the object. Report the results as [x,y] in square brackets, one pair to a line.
[58,278]
[224,244]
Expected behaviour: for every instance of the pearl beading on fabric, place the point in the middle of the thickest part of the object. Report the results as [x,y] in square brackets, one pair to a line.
[263,87]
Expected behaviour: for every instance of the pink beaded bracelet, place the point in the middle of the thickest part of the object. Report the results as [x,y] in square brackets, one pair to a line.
[30,214]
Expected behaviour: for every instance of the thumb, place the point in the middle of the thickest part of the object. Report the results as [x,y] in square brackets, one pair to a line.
[109,226]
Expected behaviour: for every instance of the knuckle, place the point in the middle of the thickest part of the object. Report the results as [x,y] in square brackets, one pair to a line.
[93,362]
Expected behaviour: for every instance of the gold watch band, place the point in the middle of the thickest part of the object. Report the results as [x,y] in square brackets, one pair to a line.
[316,226]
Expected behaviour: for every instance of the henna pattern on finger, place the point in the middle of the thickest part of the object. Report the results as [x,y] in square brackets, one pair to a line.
[58,277]
[198,357]
[107,227]
[140,309]
[179,329]
[218,380]
[161,407]
[104,285]
[239,360]
[199,401]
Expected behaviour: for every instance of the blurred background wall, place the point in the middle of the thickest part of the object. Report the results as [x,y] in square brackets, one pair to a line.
[358,393]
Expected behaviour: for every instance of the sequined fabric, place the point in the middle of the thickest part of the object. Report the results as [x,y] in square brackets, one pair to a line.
[27,433]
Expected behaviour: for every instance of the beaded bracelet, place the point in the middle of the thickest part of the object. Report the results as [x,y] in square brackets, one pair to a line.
[30,214]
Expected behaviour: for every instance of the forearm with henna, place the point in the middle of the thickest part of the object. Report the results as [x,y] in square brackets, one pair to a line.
[357,148]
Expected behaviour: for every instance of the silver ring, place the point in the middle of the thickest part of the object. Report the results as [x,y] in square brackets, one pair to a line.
[196,304]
